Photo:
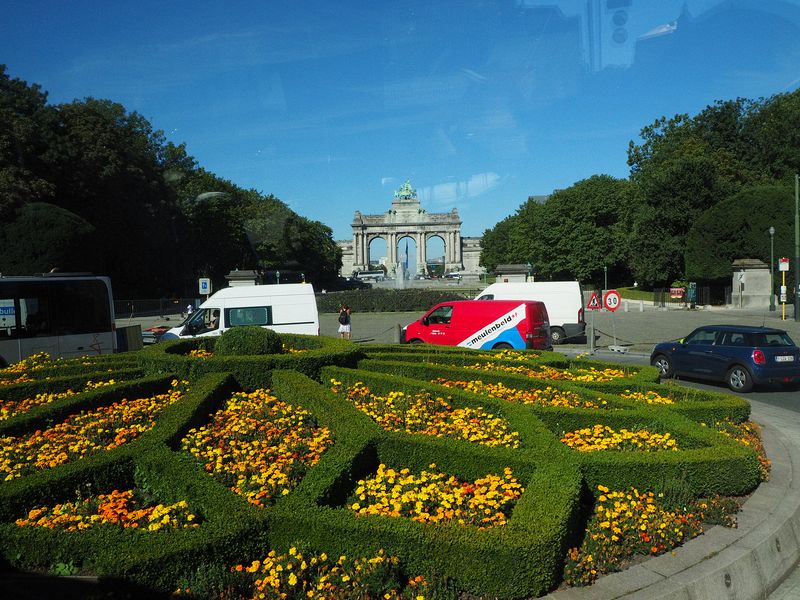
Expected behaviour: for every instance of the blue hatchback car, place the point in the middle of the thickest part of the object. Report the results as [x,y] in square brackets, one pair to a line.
[739,356]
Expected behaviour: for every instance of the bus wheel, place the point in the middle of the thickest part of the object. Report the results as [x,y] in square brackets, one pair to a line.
[502,346]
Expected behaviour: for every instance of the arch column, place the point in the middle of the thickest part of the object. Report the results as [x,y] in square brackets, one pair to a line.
[391,250]
[422,253]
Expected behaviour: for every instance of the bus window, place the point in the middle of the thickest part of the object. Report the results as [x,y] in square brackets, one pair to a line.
[35,316]
[79,307]
[8,318]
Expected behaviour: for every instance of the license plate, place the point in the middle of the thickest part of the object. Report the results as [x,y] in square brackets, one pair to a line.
[784,359]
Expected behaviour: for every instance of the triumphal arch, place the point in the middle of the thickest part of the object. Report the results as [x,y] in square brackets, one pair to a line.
[405,218]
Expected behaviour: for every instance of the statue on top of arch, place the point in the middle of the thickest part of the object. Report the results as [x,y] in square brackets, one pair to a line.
[406,192]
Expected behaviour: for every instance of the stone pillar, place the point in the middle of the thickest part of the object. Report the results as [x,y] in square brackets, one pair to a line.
[422,258]
[391,250]
[457,247]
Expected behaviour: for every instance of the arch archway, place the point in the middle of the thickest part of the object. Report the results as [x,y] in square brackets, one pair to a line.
[407,254]
[407,218]
[376,251]
[434,255]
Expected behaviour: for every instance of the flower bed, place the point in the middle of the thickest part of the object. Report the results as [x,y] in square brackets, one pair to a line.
[590,374]
[628,523]
[12,408]
[258,445]
[603,437]
[86,433]
[427,415]
[546,397]
[435,497]
[120,508]
[295,574]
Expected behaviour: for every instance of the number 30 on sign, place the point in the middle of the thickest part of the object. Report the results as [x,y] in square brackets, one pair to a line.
[611,300]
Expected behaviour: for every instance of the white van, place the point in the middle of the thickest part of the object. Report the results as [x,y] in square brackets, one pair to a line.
[563,299]
[288,308]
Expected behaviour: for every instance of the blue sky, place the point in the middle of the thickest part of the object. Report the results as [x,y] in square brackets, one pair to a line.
[331,106]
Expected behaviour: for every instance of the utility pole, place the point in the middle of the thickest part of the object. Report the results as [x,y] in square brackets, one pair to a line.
[771,268]
[796,246]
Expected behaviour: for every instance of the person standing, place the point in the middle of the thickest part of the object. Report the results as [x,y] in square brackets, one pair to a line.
[344,322]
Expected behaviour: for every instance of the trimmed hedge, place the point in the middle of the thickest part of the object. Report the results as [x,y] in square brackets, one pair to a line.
[521,559]
[387,300]
[731,470]
[250,372]
[698,405]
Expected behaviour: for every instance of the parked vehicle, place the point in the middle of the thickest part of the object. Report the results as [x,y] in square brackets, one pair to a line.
[371,275]
[289,308]
[482,325]
[739,356]
[351,283]
[563,299]
[63,314]
[453,276]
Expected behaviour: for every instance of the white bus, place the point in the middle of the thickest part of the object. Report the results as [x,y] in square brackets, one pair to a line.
[371,275]
[64,314]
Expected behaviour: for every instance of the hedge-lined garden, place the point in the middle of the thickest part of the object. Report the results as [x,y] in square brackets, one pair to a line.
[321,469]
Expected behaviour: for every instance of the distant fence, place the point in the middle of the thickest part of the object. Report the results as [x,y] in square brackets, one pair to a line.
[706,295]
[152,307]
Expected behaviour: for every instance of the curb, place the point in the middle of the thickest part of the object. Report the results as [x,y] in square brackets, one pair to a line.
[747,563]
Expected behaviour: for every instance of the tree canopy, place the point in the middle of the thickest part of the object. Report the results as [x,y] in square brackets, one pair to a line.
[715,178]
[90,170]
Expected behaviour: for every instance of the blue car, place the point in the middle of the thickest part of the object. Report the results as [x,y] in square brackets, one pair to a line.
[739,356]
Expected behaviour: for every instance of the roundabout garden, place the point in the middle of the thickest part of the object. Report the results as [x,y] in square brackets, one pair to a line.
[255,465]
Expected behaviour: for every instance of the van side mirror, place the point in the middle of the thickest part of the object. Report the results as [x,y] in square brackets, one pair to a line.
[426,321]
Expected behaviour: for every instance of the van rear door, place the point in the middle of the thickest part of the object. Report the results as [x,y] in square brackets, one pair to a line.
[538,335]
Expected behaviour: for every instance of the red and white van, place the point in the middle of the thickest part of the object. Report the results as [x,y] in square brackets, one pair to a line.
[483,325]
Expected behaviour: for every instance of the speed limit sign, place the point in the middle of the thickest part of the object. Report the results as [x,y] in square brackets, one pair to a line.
[611,300]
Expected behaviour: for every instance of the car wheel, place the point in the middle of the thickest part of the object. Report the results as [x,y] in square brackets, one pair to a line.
[415,341]
[664,366]
[557,335]
[503,346]
[739,379]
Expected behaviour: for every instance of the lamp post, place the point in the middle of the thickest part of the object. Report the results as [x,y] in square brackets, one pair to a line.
[771,268]
[605,278]
[796,247]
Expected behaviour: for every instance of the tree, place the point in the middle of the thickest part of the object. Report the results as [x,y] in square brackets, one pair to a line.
[583,228]
[24,124]
[738,228]
[495,243]
[62,240]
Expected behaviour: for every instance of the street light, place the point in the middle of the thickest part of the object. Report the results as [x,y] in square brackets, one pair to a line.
[771,268]
[605,278]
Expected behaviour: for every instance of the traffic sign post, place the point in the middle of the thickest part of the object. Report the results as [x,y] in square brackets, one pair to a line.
[783,267]
[594,304]
[612,300]
[204,286]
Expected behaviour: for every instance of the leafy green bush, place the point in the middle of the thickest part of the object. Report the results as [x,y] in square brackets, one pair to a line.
[247,341]
[382,300]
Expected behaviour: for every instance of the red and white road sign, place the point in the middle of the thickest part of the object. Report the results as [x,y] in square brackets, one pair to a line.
[612,300]
[594,302]
[783,264]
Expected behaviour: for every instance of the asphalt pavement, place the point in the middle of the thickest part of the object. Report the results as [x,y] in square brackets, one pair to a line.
[757,560]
